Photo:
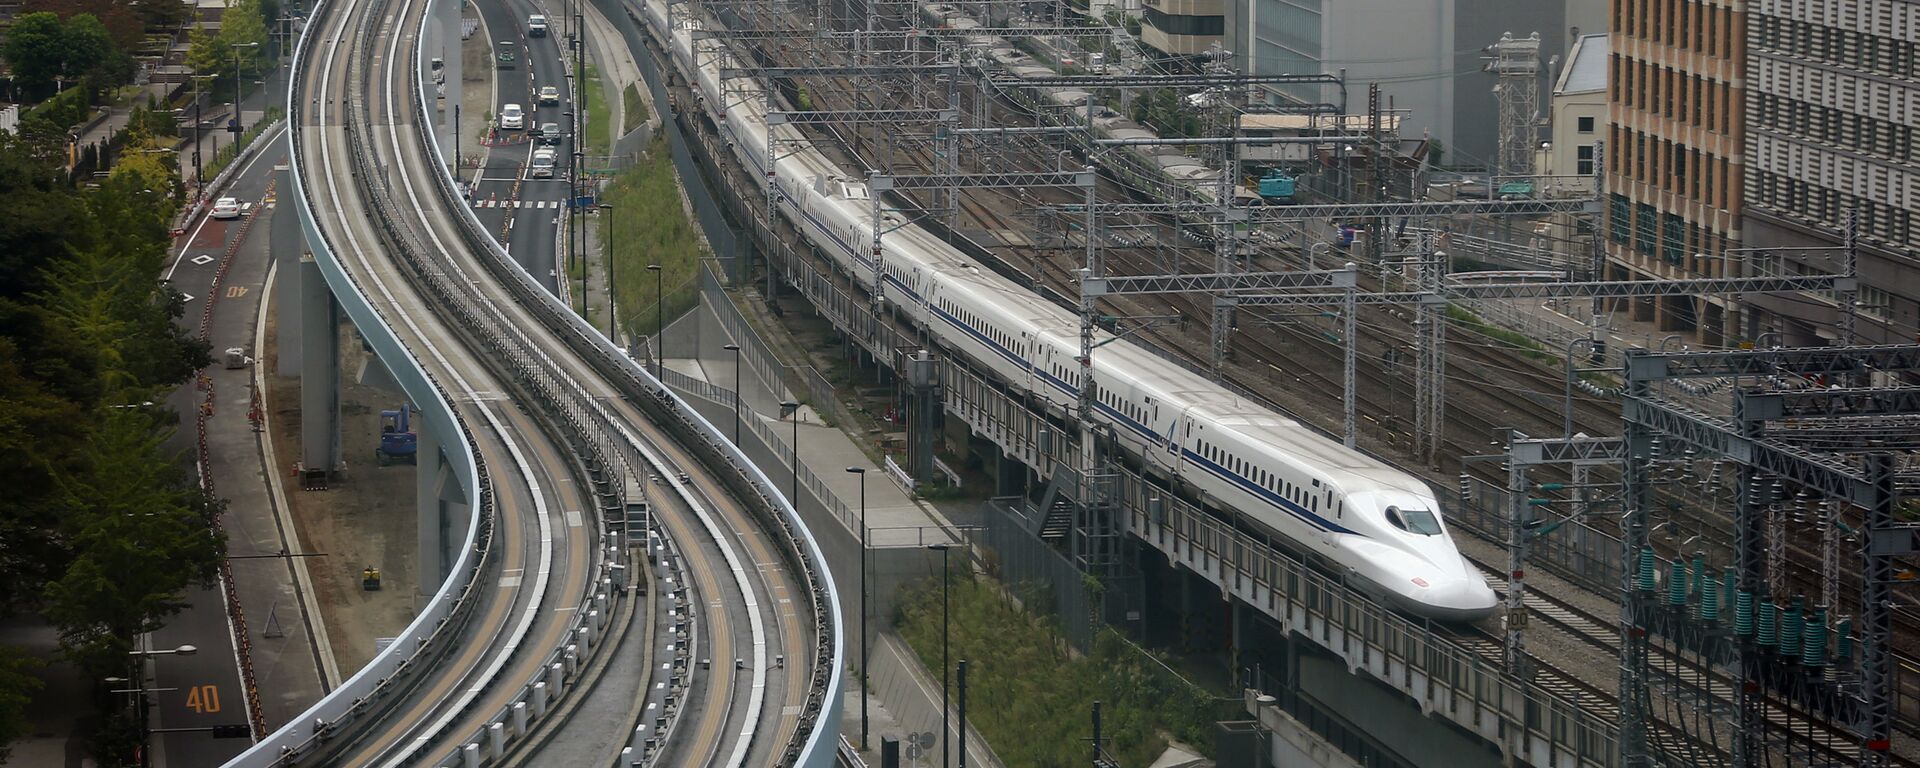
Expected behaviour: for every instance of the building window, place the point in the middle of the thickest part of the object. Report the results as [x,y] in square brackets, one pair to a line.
[1586,124]
[1645,221]
[1874,302]
[1584,155]
[1174,24]
[1619,219]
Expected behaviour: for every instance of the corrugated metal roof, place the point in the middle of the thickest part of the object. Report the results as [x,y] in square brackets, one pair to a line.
[1586,68]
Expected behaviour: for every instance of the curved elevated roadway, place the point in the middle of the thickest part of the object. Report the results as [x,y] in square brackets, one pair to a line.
[541,402]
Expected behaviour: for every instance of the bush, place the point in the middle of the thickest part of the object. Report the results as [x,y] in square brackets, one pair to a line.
[1030,693]
[648,226]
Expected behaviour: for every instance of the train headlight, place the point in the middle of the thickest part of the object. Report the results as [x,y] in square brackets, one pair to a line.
[1420,582]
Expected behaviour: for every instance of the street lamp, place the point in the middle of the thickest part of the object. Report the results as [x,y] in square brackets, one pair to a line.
[735,349]
[573,204]
[606,242]
[659,317]
[184,650]
[945,706]
[793,409]
[137,689]
[239,85]
[862,472]
[199,129]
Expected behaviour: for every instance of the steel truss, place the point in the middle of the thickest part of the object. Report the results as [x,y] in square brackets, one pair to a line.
[1274,214]
[829,116]
[1523,453]
[1870,485]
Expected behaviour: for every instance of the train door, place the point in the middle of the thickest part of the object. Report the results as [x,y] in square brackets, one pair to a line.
[1179,434]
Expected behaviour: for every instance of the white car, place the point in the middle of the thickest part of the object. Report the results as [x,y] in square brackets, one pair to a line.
[226,208]
[512,118]
[543,163]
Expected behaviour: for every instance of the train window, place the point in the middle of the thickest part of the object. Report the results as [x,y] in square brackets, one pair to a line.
[1418,521]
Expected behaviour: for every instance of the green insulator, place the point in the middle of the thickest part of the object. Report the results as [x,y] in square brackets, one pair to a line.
[1710,600]
[1743,613]
[1843,640]
[1677,583]
[1769,634]
[1813,645]
[1646,569]
[1727,584]
[1791,622]
[1699,577]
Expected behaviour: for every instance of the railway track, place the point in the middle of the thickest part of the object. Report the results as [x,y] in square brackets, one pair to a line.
[765,622]
[543,565]
[1505,387]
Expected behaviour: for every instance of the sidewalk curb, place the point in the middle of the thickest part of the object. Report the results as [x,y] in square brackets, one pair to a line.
[304,591]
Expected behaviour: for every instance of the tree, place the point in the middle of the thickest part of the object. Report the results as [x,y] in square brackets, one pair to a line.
[142,534]
[36,49]
[45,50]
[214,53]
[17,686]
[92,56]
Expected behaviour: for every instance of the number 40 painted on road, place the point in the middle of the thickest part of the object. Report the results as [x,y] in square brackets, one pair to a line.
[204,699]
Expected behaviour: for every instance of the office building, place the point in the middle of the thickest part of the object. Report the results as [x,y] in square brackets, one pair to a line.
[1673,152]
[1833,101]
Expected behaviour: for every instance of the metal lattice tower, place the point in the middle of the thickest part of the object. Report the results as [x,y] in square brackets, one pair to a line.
[1516,64]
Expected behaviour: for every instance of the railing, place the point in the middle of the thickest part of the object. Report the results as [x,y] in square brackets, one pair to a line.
[1448,680]
[447,611]
[820,714]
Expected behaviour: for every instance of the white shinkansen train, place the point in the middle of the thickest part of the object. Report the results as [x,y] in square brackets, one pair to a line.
[1343,508]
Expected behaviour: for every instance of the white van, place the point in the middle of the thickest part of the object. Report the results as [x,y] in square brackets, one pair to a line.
[543,162]
[512,118]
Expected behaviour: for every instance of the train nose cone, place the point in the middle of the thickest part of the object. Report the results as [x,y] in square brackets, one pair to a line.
[1461,600]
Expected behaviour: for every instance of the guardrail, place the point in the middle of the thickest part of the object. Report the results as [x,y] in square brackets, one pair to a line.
[445,613]
[812,745]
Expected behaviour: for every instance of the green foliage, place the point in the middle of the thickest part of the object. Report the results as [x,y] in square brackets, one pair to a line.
[102,530]
[36,49]
[1163,110]
[599,116]
[240,24]
[43,49]
[228,152]
[635,108]
[1030,694]
[649,226]
[65,110]
[140,533]
[17,686]
[146,121]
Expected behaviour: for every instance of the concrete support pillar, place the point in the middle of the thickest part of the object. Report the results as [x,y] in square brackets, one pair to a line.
[288,242]
[1008,474]
[430,475]
[1236,632]
[319,371]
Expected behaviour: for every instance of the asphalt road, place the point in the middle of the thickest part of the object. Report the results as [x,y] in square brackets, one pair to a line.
[203,690]
[525,212]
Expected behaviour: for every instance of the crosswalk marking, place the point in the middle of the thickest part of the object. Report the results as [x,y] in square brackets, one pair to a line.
[496,203]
